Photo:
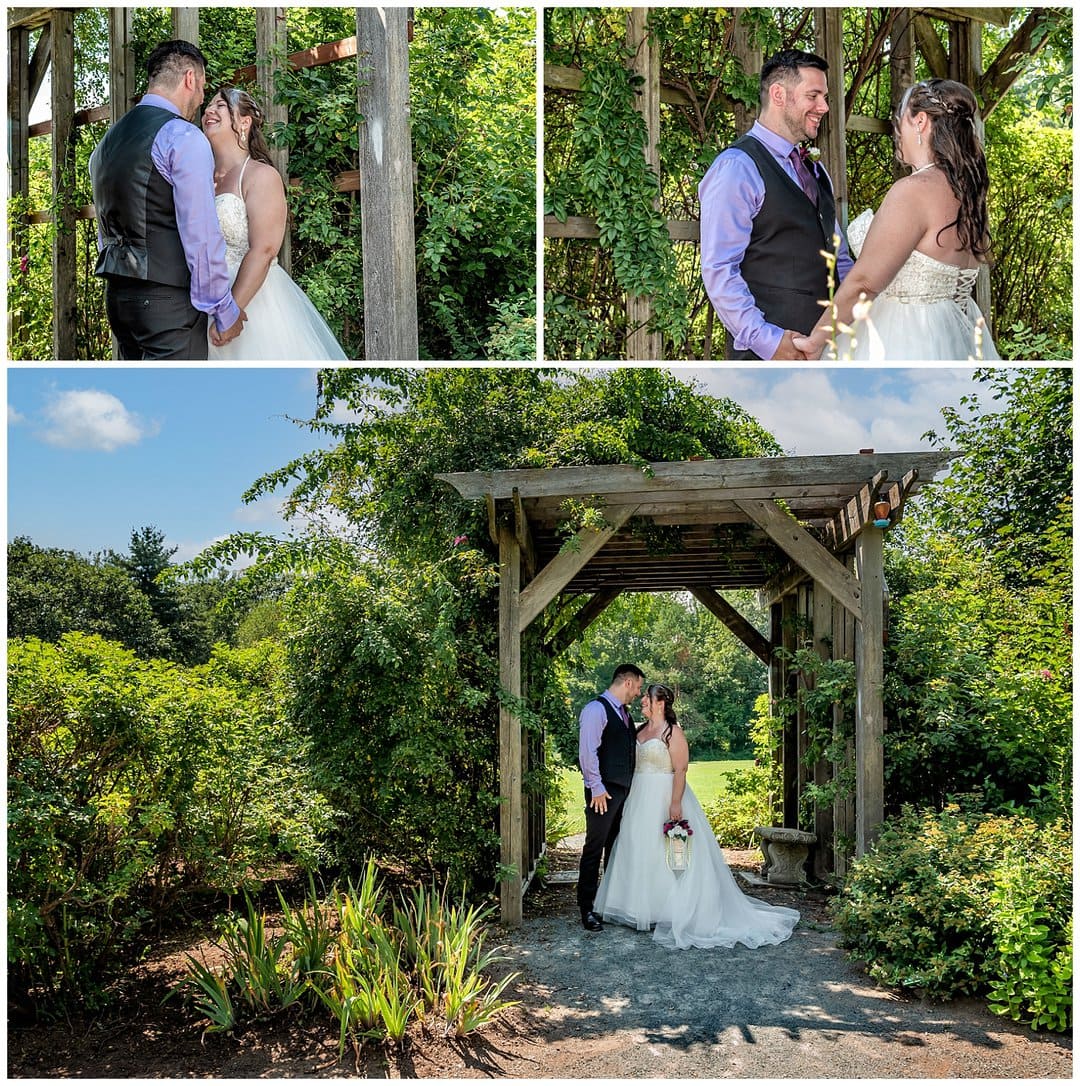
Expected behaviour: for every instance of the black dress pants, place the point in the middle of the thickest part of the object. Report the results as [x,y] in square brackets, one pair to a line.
[153,320]
[600,833]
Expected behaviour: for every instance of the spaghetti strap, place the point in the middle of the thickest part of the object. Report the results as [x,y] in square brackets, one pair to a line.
[240,179]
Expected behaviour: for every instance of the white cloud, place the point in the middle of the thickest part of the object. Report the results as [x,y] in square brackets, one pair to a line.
[267,510]
[89,419]
[13,416]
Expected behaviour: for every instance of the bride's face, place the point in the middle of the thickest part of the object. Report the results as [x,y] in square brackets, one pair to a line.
[216,118]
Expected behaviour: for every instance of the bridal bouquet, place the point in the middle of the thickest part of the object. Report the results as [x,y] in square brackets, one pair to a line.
[677,844]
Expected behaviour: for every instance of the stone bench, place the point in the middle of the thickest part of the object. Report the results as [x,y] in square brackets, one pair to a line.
[785,852]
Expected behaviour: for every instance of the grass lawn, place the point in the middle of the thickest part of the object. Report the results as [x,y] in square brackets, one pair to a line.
[705,778]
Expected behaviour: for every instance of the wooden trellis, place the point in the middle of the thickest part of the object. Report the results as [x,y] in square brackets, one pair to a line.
[390,320]
[817,557]
[908,29]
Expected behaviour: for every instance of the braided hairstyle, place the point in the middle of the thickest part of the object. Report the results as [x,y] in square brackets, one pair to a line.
[240,104]
[659,692]
[957,152]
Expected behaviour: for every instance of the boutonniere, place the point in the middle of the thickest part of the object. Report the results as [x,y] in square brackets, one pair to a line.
[813,153]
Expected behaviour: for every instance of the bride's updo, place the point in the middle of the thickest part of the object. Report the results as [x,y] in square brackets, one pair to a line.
[664,694]
[240,104]
[957,152]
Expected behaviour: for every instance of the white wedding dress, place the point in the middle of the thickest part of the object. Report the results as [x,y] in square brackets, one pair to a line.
[699,907]
[282,323]
[925,314]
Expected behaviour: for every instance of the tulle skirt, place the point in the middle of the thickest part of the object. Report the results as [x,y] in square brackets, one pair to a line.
[282,325]
[897,331]
[699,907]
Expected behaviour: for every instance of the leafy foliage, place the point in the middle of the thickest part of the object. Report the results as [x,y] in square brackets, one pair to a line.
[960,902]
[132,785]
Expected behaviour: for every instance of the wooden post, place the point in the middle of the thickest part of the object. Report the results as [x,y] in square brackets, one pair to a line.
[869,700]
[790,763]
[822,624]
[749,57]
[901,66]
[843,624]
[776,694]
[511,810]
[271,41]
[386,185]
[65,247]
[18,152]
[121,62]
[641,343]
[185,22]
[829,42]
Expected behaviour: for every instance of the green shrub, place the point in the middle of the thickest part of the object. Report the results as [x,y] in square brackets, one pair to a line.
[958,902]
[745,802]
[132,785]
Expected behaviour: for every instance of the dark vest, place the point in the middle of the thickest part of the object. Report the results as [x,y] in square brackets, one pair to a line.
[782,266]
[134,203]
[618,748]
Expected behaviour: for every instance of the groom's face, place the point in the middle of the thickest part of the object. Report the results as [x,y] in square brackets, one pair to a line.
[806,103]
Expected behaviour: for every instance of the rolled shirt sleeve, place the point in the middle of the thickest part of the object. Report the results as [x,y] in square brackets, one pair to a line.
[591,727]
[182,155]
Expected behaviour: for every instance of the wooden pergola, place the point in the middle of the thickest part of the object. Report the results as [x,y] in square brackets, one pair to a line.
[799,530]
[381,50]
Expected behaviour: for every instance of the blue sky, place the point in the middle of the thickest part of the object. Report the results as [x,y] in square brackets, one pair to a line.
[95,453]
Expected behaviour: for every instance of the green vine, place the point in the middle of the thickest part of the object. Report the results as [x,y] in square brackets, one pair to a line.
[610,137]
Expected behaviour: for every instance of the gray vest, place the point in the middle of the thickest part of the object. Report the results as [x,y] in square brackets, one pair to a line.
[134,203]
[617,754]
[782,266]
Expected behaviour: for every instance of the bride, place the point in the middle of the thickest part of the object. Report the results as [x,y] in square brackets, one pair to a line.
[919,256]
[250,201]
[701,906]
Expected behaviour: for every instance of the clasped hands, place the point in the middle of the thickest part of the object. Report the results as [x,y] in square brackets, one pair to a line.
[219,339]
[795,347]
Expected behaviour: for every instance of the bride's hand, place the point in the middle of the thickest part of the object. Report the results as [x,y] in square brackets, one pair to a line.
[809,347]
[675,812]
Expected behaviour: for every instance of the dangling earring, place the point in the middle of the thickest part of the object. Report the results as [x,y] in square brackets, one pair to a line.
[918,136]
[243,139]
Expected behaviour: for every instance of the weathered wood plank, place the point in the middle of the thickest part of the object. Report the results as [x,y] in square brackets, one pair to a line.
[185,22]
[821,625]
[584,227]
[511,809]
[121,65]
[796,542]
[27,18]
[829,37]
[523,534]
[756,642]
[573,628]
[305,58]
[558,77]
[386,165]
[271,38]
[997,16]
[869,693]
[664,477]
[560,571]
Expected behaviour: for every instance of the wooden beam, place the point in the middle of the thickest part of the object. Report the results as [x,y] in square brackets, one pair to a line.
[856,122]
[511,808]
[386,198]
[757,643]
[749,58]
[560,571]
[39,62]
[869,693]
[584,227]
[558,77]
[642,342]
[27,18]
[271,40]
[65,247]
[829,37]
[997,16]
[185,22]
[796,542]
[523,534]
[121,62]
[821,625]
[901,66]
[305,58]
[574,627]
[855,515]
[937,59]
[18,102]
[1006,68]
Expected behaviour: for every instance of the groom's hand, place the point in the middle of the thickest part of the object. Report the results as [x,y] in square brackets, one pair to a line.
[787,351]
[219,339]
[599,803]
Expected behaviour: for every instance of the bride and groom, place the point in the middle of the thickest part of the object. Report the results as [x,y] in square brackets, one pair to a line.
[189,226]
[635,791]
[768,213]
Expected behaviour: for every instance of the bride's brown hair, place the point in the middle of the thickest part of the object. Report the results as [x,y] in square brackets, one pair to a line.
[957,152]
[240,104]
[665,695]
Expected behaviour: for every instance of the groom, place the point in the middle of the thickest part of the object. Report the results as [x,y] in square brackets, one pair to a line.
[607,745]
[767,212]
[161,251]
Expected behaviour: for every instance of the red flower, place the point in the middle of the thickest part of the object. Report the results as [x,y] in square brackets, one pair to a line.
[24,264]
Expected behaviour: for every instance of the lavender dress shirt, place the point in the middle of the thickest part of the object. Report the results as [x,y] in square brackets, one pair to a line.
[592,721]
[731,194]
[182,155]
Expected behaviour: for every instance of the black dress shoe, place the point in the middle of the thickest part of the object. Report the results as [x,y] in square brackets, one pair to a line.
[591,922]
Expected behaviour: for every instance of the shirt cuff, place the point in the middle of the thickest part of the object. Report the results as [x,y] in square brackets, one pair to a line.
[227,315]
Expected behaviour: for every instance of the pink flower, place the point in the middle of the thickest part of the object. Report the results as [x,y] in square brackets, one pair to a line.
[24,264]
[459,539]
[1046,673]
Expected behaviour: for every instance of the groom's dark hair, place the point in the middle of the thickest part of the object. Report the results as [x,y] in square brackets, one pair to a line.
[783,67]
[626,669]
[168,62]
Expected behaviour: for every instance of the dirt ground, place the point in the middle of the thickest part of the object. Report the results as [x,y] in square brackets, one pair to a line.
[592,1006]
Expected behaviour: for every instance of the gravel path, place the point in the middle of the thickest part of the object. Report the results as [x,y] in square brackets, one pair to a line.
[617,1005]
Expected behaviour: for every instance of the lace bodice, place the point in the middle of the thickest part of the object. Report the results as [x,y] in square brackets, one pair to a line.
[922,279]
[653,757]
[232,217]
